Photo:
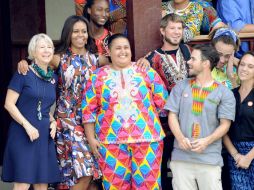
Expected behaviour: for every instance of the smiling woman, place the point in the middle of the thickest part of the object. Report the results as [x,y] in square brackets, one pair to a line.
[29,98]
[74,61]
[240,139]
[120,52]
[97,12]
[120,103]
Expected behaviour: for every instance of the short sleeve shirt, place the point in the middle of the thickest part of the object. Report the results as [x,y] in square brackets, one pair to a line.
[219,104]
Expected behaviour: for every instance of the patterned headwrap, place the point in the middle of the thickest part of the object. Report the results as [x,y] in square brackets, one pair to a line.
[225,32]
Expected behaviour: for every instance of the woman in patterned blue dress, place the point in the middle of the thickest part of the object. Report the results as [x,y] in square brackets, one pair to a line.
[75,61]
[30,154]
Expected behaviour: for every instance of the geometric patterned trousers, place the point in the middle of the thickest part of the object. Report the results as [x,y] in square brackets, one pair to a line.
[131,166]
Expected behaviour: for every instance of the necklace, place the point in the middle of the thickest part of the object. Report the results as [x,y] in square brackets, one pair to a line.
[45,76]
[40,98]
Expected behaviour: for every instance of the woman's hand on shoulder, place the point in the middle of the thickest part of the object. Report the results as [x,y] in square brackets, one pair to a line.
[23,67]
[54,63]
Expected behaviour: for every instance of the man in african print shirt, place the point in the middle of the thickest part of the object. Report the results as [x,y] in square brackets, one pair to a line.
[169,61]
[201,111]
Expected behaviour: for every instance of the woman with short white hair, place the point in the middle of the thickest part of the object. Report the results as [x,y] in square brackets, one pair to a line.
[30,154]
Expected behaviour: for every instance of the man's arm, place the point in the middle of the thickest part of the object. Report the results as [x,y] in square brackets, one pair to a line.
[230,13]
[248,28]
[184,143]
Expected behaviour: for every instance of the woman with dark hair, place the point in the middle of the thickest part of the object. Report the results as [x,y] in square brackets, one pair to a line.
[75,61]
[240,139]
[226,42]
[117,15]
[97,12]
[66,38]
[119,114]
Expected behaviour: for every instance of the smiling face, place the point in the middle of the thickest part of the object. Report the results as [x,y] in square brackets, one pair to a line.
[79,35]
[99,12]
[120,53]
[43,53]
[173,33]
[225,51]
[246,68]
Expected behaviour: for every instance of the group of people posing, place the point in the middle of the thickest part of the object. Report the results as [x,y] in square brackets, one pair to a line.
[121,121]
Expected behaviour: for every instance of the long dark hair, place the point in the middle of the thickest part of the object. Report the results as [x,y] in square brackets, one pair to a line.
[65,40]
[88,5]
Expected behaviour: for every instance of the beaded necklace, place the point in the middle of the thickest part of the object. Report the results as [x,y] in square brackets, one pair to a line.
[199,95]
[40,95]
[45,76]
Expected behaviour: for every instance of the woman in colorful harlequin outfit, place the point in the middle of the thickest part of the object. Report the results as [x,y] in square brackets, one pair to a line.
[119,111]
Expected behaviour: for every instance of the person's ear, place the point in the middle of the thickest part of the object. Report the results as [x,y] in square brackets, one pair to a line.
[162,30]
[206,63]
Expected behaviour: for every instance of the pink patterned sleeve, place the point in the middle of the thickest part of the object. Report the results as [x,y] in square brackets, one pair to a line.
[89,102]
[160,93]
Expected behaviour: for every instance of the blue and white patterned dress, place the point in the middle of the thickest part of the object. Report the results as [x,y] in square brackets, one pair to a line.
[74,155]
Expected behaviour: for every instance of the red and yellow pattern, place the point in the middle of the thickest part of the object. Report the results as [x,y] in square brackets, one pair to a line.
[199,95]
[196,128]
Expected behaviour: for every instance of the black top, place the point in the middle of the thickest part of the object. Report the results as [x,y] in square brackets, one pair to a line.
[242,129]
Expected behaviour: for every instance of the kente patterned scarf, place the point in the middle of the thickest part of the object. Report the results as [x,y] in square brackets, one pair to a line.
[199,95]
